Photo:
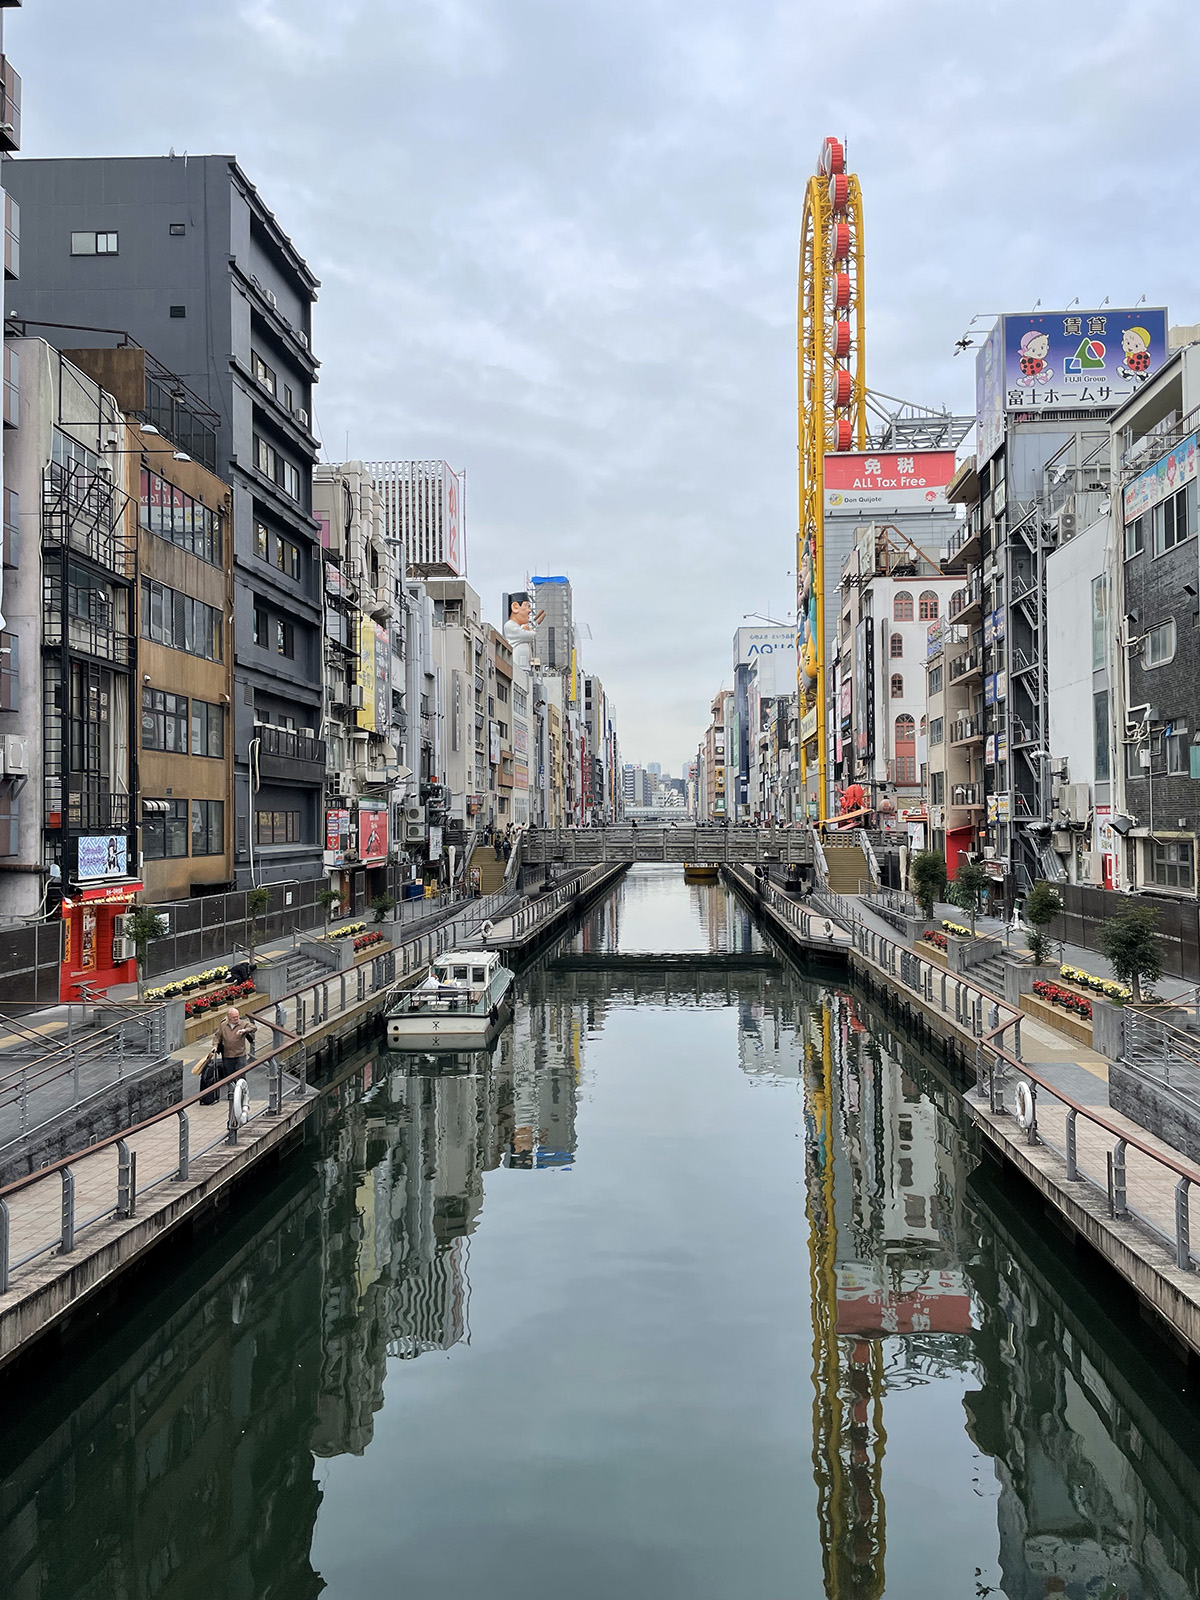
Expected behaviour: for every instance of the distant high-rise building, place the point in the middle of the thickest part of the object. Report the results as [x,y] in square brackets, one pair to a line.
[423,512]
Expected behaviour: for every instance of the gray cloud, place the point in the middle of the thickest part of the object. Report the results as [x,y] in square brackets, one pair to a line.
[558,243]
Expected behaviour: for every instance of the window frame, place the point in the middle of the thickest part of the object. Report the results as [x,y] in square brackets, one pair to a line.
[208,825]
[1158,867]
[96,235]
[207,719]
[928,606]
[164,828]
[902,606]
[896,686]
[896,647]
[1169,630]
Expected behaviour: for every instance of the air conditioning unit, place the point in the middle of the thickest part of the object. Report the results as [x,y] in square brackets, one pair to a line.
[302,416]
[1079,802]
[16,756]
[122,947]
[356,697]
[1091,867]
[414,824]
[302,337]
[308,733]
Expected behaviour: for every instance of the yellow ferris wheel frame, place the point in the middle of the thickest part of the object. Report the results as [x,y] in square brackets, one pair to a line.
[831,410]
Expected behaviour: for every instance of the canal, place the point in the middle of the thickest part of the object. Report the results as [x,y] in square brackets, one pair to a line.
[690,1288]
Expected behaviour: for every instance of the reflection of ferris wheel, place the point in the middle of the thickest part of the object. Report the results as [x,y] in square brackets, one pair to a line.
[832,409]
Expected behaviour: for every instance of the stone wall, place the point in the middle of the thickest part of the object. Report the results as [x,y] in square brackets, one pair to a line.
[1155,1107]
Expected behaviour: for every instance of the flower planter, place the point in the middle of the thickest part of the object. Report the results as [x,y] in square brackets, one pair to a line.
[205,1025]
[1055,1017]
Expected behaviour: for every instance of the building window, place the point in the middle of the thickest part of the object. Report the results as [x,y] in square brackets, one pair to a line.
[93,244]
[285,639]
[264,374]
[277,827]
[10,672]
[1158,646]
[937,788]
[208,729]
[291,481]
[179,311]
[264,458]
[902,607]
[10,818]
[1139,756]
[165,830]
[935,680]
[896,646]
[1100,736]
[1135,538]
[164,721]
[1171,863]
[1099,620]
[1177,754]
[181,623]
[928,606]
[208,827]
[1173,520]
[937,730]
[501,691]
[287,557]
[261,627]
[179,518]
[177,230]
[906,749]
[897,686]
[261,541]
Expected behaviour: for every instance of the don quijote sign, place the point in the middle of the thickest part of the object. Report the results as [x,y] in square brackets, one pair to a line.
[887,481]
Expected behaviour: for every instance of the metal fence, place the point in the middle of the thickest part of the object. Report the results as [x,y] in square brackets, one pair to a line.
[30,959]
[1086,910]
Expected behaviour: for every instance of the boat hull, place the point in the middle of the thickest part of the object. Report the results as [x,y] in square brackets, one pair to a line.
[694,873]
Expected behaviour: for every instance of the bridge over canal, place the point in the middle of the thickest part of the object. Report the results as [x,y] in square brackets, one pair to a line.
[697,842]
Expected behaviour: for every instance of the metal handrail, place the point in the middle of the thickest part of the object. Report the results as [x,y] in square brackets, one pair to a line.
[994,1062]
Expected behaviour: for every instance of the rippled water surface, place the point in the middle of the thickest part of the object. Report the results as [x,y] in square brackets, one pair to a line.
[686,1290]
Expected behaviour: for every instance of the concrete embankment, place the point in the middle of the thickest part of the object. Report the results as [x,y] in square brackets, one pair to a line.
[1104,1180]
[128,1200]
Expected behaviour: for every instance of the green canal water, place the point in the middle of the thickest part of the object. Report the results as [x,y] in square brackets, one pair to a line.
[689,1289]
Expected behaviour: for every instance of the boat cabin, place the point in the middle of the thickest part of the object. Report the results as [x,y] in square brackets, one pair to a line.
[464,972]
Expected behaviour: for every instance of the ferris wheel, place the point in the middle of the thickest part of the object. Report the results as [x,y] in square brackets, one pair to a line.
[832,414]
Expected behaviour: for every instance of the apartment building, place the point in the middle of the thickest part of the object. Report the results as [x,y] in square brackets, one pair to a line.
[183,256]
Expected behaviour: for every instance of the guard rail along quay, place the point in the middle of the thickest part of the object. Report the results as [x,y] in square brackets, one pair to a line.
[69,1229]
[529,923]
[681,842]
[1124,1191]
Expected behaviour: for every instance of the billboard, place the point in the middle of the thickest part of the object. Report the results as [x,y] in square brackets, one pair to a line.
[772,653]
[452,522]
[1172,472]
[364,717]
[875,483]
[337,833]
[103,855]
[864,690]
[521,621]
[372,831]
[1065,360]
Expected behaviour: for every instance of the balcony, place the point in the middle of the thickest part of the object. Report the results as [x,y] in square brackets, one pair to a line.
[12,529]
[284,753]
[87,637]
[968,665]
[965,603]
[10,106]
[967,730]
[12,238]
[12,387]
[80,513]
[967,797]
[963,549]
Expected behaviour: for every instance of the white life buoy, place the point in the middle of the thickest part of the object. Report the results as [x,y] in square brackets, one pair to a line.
[486,929]
[241,1101]
[1024,1105]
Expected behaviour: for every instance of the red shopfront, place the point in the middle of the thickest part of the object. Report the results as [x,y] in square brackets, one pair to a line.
[88,924]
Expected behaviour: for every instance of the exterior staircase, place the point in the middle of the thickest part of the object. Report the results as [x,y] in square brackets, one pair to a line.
[990,973]
[491,871]
[301,970]
[847,867]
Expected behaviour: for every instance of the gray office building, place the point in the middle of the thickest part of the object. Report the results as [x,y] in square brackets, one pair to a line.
[181,255]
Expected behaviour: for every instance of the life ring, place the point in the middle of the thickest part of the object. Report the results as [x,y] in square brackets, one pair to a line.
[485,929]
[1024,1112]
[241,1101]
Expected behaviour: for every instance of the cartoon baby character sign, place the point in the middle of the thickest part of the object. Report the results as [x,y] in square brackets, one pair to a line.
[1081,358]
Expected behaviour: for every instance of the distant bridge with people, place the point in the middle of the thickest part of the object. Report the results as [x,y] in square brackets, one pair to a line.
[698,843]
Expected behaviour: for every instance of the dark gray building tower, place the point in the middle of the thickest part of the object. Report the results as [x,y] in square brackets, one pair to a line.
[181,254]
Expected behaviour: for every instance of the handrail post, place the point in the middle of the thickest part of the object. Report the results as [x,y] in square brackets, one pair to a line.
[1033,1133]
[4,1237]
[1116,1180]
[1072,1167]
[66,1242]
[184,1141]
[1183,1232]
[126,1179]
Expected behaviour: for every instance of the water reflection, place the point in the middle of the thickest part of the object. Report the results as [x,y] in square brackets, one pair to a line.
[627,1209]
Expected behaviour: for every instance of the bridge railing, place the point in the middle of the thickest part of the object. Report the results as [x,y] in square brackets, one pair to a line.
[537,911]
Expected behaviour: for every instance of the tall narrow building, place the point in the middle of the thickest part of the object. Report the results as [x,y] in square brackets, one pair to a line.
[182,255]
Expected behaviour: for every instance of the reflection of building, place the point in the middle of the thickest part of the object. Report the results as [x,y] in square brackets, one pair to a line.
[546,1042]
[887,1281]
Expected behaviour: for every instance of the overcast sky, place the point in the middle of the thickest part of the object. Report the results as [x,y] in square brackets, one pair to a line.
[558,238]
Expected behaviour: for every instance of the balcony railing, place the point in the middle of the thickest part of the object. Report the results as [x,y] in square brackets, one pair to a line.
[965,730]
[963,666]
[967,796]
[963,599]
[288,745]
[88,638]
[81,512]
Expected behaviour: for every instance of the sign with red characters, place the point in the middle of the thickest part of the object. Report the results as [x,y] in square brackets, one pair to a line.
[883,481]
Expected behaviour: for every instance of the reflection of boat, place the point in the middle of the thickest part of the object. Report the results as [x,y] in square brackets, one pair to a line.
[458,1003]
[700,872]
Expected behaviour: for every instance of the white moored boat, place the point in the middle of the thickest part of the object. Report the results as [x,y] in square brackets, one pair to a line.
[462,998]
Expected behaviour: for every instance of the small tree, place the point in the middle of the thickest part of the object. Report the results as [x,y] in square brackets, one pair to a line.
[327,898]
[1042,905]
[141,929]
[927,875]
[256,906]
[967,889]
[1130,941]
[383,905]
